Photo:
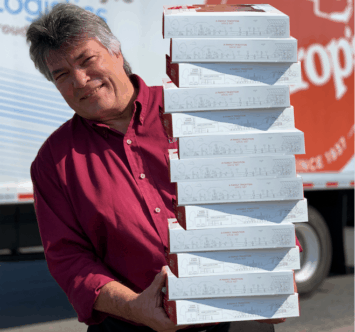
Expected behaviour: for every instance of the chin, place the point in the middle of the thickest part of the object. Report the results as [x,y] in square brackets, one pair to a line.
[97,110]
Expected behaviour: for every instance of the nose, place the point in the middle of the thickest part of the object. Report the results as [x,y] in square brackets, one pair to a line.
[79,78]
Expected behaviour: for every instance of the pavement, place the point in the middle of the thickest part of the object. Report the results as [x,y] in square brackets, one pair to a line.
[64,325]
[329,309]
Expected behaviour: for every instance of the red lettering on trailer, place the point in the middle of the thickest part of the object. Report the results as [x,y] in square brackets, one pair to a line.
[181,7]
[332,184]
[24,197]
[308,185]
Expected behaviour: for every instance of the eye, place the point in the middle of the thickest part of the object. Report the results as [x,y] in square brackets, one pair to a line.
[60,76]
[88,59]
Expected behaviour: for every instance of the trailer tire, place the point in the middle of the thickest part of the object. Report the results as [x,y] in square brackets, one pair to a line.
[316,257]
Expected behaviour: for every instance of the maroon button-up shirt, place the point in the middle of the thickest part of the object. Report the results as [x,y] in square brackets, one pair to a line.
[102,201]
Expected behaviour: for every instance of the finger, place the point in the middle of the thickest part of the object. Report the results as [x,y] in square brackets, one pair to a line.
[181,327]
[158,283]
[159,300]
[159,295]
[294,282]
[163,321]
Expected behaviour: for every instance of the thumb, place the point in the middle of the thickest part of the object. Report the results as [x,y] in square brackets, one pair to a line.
[159,281]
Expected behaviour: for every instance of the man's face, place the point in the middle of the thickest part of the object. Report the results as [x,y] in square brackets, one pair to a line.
[93,82]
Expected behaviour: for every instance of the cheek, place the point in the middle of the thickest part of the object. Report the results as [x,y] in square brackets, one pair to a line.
[67,94]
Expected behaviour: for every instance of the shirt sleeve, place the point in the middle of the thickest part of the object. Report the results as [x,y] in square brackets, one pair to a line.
[69,254]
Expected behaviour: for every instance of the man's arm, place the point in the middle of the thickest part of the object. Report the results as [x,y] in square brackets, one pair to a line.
[145,308]
[90,286]
[69,253]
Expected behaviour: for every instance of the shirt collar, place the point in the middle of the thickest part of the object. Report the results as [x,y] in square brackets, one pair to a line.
[140,109]
[142,97]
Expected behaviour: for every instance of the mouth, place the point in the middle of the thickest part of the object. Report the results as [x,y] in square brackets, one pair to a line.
[93,92]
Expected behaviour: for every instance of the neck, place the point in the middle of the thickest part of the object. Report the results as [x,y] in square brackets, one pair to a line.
[122,122]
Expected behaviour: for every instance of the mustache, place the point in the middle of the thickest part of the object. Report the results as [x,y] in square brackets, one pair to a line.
[88,90]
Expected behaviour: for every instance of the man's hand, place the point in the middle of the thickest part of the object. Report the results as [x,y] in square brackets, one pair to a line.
[147,307]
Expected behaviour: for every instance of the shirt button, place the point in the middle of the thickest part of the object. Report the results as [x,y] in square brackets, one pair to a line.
[142,176]
[157,210]
[129,142]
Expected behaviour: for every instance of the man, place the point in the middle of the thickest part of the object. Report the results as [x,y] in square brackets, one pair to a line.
[101,184]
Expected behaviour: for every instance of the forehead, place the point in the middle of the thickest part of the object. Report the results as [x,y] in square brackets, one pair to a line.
[69,53]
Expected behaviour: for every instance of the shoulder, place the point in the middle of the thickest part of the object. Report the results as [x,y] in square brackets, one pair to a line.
[156,89]
[156,98]
[58,142]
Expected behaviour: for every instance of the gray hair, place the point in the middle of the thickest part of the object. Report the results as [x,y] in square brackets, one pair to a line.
[68,24]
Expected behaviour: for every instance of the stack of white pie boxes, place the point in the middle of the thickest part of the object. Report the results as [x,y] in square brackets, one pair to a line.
[232,249]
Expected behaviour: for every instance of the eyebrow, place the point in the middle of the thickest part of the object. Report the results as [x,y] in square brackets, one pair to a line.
[81,55]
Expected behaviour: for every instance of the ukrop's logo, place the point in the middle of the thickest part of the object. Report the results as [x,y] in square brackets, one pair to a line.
[342,16]
[329,55]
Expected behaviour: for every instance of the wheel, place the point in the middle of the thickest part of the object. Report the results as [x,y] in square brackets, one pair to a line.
[316,257]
